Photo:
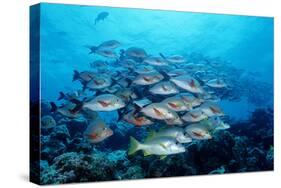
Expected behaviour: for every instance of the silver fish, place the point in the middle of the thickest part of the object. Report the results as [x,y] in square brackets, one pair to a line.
[97,131]
[159,146]
[156,61]
[211,109]
[216,83]
[105,102]
[136,52]
[174,132]
[106,53]
[164,88]
[148,79]
[194,115]
[158,111]
[177,104]
[187,83]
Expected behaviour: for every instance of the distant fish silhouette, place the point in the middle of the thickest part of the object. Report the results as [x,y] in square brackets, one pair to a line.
[101,16]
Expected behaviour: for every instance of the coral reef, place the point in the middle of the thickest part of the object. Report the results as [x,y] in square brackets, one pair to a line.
[68,157]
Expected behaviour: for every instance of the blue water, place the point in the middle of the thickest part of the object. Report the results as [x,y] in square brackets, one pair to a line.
[244,41]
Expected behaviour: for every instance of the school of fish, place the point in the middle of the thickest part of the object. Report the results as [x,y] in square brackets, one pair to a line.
[169,91]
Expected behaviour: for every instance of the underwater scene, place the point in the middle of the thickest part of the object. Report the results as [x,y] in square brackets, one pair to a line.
[133,93]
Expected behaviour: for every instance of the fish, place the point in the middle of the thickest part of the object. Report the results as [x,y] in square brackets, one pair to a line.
[161,146]
[106,53]
[164,88]
[138,121]
[48,122]
[71,95]
[98,82]
[173,132]
[174,58]
[101,16]
[194,115]
[156,61]
[136,52]
[110,45]
[148,79]
[211,109]
[177,104]
[98,64]
[104,102]
[216,83]
[84,76]
[158,111]
[176,120]
[97,131]
[177,72]
[217,123]
[128,63]
[144,69]
[126,94]
[198,131]
[190,100]
[65,110]
[187,83]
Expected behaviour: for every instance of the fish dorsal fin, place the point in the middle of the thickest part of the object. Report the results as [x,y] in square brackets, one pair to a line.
[146,153]
[162,157]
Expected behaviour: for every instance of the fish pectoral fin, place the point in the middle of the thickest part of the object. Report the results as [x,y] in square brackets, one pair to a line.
[162,157]
[146,153]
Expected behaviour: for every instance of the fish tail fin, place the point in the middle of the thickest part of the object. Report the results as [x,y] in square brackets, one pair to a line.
[61,96]
[53,107]
[75,75]
[93,49]
[165,75]
[134,146]
[78,107]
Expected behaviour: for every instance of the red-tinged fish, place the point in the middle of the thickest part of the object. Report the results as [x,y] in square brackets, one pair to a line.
[97,131]
[177,104]
[211,109]
[198,131]
[159,111]
[104,102]
[137,121]
[188,83]
[190,100]
[136,52]
[148,79]
[194,115]
[99,82]
[164,88]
